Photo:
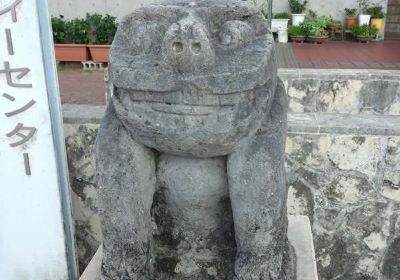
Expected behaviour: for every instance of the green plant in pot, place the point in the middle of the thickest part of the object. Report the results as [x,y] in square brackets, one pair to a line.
[58,24]
[351,18]
[102,30]
[280,21]
[315,28]
[334,24]
[364,33]
[297,8]
[377,16]
[70,37]
[297,33]
[363,17]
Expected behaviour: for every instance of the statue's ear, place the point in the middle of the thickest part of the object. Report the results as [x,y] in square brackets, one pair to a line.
[142,32]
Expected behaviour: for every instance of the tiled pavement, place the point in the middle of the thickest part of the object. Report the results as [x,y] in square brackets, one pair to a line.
[342,55]
[81,87]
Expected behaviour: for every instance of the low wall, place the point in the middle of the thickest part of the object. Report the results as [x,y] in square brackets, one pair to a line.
[343,166]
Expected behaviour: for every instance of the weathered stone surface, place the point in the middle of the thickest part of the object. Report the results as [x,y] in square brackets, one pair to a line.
[79,140]
[343,92]
[353,211]
[338,96]
[193,143]
[378,96]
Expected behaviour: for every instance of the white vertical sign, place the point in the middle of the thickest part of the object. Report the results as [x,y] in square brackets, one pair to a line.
[35,233]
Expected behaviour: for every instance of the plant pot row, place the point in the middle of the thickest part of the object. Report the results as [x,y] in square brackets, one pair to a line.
[79,53]
[365,19]
[311,39]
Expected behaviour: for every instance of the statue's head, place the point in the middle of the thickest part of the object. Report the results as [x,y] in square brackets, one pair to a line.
[193,77]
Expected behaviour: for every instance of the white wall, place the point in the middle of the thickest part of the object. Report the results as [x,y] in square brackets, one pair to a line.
[120,8]
[79,8]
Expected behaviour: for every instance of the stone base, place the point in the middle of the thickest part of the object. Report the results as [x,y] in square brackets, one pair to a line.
[300,237]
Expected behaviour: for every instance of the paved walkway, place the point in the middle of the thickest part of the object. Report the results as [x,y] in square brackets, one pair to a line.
[341,55]
[82,87]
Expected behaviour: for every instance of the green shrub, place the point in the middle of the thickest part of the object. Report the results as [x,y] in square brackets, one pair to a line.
[58,25]
[376,12]
[350,12]
[315,26]
[296,30]
[77,31]
[102,29]
[283,15]
[297,7]
[364,5]
[364,30]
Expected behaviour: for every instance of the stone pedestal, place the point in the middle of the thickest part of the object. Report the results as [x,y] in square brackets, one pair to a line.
[300,237]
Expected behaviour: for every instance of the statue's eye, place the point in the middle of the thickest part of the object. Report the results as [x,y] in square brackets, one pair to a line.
[236,33]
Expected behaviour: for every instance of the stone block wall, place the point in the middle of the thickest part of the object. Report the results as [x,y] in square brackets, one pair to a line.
[343,169]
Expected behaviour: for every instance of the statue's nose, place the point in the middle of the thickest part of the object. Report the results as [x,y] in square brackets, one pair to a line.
[187,45]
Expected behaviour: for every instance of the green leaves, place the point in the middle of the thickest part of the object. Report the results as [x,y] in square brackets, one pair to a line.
[96,29]
[350,12]
[102,29]
[364,30]
[58,24]
[376,11]
[315,26]
[283,15]
[296,7]
[296,30]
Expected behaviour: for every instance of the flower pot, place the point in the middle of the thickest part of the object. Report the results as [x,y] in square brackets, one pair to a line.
[364,19]
[377,23]
[317,39]
[99,53]
[71,52]
[297,18]
[298,39]
[350,21]
[277,24]
[282,35]
[364,39]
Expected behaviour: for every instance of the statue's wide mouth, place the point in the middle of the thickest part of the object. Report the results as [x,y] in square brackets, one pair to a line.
[189,102]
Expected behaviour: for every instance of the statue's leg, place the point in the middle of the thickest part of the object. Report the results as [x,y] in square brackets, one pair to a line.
[126,181]
[258,193]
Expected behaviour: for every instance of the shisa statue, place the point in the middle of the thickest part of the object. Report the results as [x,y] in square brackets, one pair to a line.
[190,153]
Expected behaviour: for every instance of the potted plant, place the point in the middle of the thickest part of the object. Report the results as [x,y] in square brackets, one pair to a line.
[280,21]
[297,33]
[364,33]
[297,8]
[102,30]
[350,17]
[334,24]
[363,17]
[377,16]
[315,28]
[70,39]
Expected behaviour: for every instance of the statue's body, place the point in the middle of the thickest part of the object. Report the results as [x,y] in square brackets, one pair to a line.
[190,153]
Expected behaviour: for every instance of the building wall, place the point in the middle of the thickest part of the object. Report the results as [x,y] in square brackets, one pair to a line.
[119,8]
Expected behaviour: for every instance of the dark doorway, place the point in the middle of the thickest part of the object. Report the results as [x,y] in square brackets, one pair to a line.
[392,29]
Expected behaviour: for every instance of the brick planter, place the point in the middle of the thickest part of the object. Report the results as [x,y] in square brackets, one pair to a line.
[71,52]
[99,53]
